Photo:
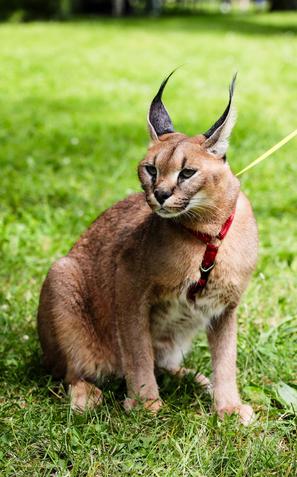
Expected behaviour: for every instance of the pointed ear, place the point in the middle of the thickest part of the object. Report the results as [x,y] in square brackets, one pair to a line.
[158,119]
[217,136]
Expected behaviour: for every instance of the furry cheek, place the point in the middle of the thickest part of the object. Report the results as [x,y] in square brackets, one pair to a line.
[198,199]
[151,200]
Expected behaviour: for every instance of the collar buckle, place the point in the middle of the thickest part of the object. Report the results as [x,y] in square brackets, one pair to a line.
[205,270]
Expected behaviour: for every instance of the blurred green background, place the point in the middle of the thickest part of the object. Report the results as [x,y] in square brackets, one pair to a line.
[17,10]
[73,103]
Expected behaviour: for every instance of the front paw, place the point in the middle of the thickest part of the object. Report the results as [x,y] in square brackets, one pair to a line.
[152,405]
[244,411]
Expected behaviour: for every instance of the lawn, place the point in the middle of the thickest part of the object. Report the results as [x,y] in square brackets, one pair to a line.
[74,98]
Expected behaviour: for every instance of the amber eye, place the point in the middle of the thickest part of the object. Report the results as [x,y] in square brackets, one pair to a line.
[186,174]
[152,171]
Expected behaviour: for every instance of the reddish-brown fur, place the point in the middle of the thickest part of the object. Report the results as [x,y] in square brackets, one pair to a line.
[116,304]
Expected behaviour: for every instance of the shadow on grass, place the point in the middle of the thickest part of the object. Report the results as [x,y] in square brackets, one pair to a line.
[33,379]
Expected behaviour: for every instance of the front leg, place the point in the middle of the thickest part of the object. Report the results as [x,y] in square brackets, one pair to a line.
[137,355]
[222,338]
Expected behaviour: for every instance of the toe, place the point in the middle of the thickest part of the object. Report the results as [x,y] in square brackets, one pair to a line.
[129,404]
[246,413]
[153,405]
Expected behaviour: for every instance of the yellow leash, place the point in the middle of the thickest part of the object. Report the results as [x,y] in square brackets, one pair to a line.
[269,152]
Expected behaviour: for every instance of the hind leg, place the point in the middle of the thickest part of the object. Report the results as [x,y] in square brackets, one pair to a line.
[169,358]
[199,378]
[72,348]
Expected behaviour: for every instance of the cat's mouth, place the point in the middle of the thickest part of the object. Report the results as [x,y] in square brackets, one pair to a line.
[171,212]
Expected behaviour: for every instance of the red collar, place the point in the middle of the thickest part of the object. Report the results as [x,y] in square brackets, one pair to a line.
[208,261]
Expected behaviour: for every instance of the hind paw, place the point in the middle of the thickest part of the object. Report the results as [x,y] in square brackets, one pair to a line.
[84,396]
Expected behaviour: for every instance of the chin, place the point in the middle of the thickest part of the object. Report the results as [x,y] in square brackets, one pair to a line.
[168,214]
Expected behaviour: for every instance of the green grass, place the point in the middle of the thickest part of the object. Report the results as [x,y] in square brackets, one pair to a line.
[72,129]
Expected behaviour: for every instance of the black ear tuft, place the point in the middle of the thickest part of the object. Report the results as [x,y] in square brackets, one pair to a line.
[158,117]
[222,119]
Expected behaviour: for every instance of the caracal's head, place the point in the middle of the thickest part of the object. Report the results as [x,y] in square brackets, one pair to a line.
[188,177]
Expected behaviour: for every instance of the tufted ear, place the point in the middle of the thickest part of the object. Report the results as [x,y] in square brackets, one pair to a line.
[217,136]
[158,119]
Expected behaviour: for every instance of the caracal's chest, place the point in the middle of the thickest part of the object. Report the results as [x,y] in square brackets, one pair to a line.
[178,316]
[176,320]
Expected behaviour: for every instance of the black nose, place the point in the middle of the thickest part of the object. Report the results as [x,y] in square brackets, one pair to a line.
[162,195]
